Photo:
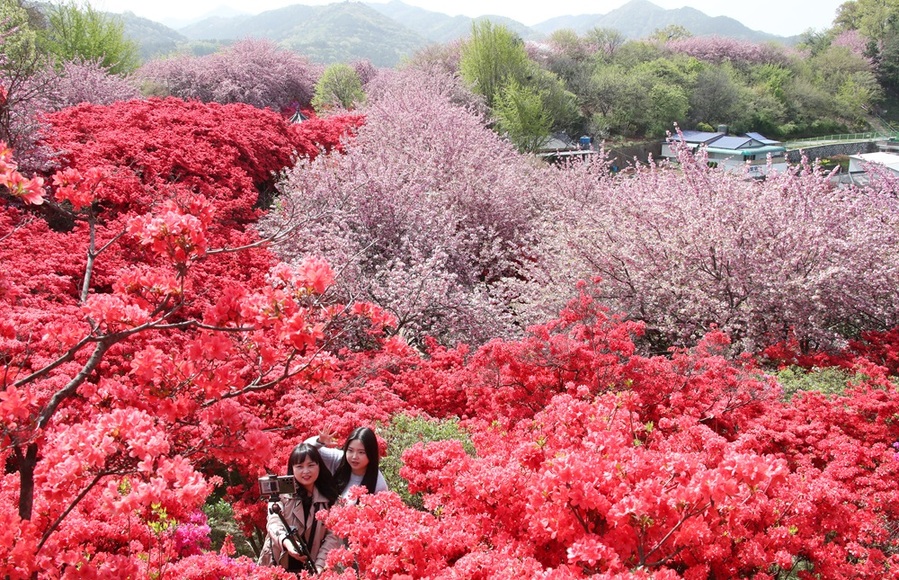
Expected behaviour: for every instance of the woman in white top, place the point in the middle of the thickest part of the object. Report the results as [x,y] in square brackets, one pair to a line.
[356,463]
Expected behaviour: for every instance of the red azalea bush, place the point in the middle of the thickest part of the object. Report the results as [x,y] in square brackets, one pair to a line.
[872,347]
[155,351]
[147,329]
[684,467]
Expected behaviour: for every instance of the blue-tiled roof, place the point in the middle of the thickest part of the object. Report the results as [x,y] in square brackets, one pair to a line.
[698,136]
[762,139]
[735,142]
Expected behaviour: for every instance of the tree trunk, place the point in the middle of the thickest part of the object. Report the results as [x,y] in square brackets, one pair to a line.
[26,463]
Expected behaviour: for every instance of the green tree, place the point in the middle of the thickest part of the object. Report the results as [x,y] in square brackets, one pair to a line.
[771,79]
[669,106]
[670,32]
[19,60]
[848,16]
[609,86]
[79,32]
[560,104]
[815,42]
[631,54]
[855,96]
[606,41]
[17,38]
[566,41]
[522,117]
[491,58]
[338,87]
[716,96]
[877,19]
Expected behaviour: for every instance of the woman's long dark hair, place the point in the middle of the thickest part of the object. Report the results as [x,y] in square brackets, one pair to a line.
[325,482]
[343,471]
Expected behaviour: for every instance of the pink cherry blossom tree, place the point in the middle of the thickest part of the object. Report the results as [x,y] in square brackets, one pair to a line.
[684,249]
[255,72]
[428,214]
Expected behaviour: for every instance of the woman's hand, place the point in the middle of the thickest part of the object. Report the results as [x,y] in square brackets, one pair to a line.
[288,545]
[326,437]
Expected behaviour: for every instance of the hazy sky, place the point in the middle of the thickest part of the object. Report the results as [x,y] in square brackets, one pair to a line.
[782,17]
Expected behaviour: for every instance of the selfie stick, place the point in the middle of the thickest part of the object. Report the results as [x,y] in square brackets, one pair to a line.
[298,544]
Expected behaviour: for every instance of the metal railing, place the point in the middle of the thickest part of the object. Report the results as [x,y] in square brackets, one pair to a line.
[869,136]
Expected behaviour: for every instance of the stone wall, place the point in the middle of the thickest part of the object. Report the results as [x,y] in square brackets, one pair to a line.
[822,151]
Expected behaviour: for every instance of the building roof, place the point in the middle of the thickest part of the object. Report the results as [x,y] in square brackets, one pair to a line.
[722,139]
[558,142]
[735,142]
[697,137]
[762,139]
[888,160]
[752,150]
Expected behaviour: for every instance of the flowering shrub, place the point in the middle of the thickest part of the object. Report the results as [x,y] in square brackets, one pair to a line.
[718,49]
[681,250]
[681,467]
[192,537]
[74,83]
[144,331]
[252,71]
[855,42]
[427,215]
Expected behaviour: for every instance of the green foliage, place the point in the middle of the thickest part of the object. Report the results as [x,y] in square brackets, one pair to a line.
[338,88]
[633,53]
[763,113]
[79,32]
[815,42]
[829,381]
[639,88]
[718,96]
[888,71]
[876,19]
[527,100]
[677,70]
[403,432]
[855,94]
[606,40]
[671,32]
[521,116]
[770,78]
[609,88]
[847,16]
[670,106]
[491,58]
[559,103]
[17,39]
[220,518]
[568,42]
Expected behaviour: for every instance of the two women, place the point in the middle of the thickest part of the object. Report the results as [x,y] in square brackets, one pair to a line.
[322,476]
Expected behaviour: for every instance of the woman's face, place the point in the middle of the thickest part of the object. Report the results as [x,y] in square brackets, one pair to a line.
[306,472]
[356,457]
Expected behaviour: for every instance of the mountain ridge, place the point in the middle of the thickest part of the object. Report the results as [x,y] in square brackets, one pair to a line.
[385,33]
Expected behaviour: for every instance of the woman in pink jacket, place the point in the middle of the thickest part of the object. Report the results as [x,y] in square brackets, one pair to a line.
[315,491]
